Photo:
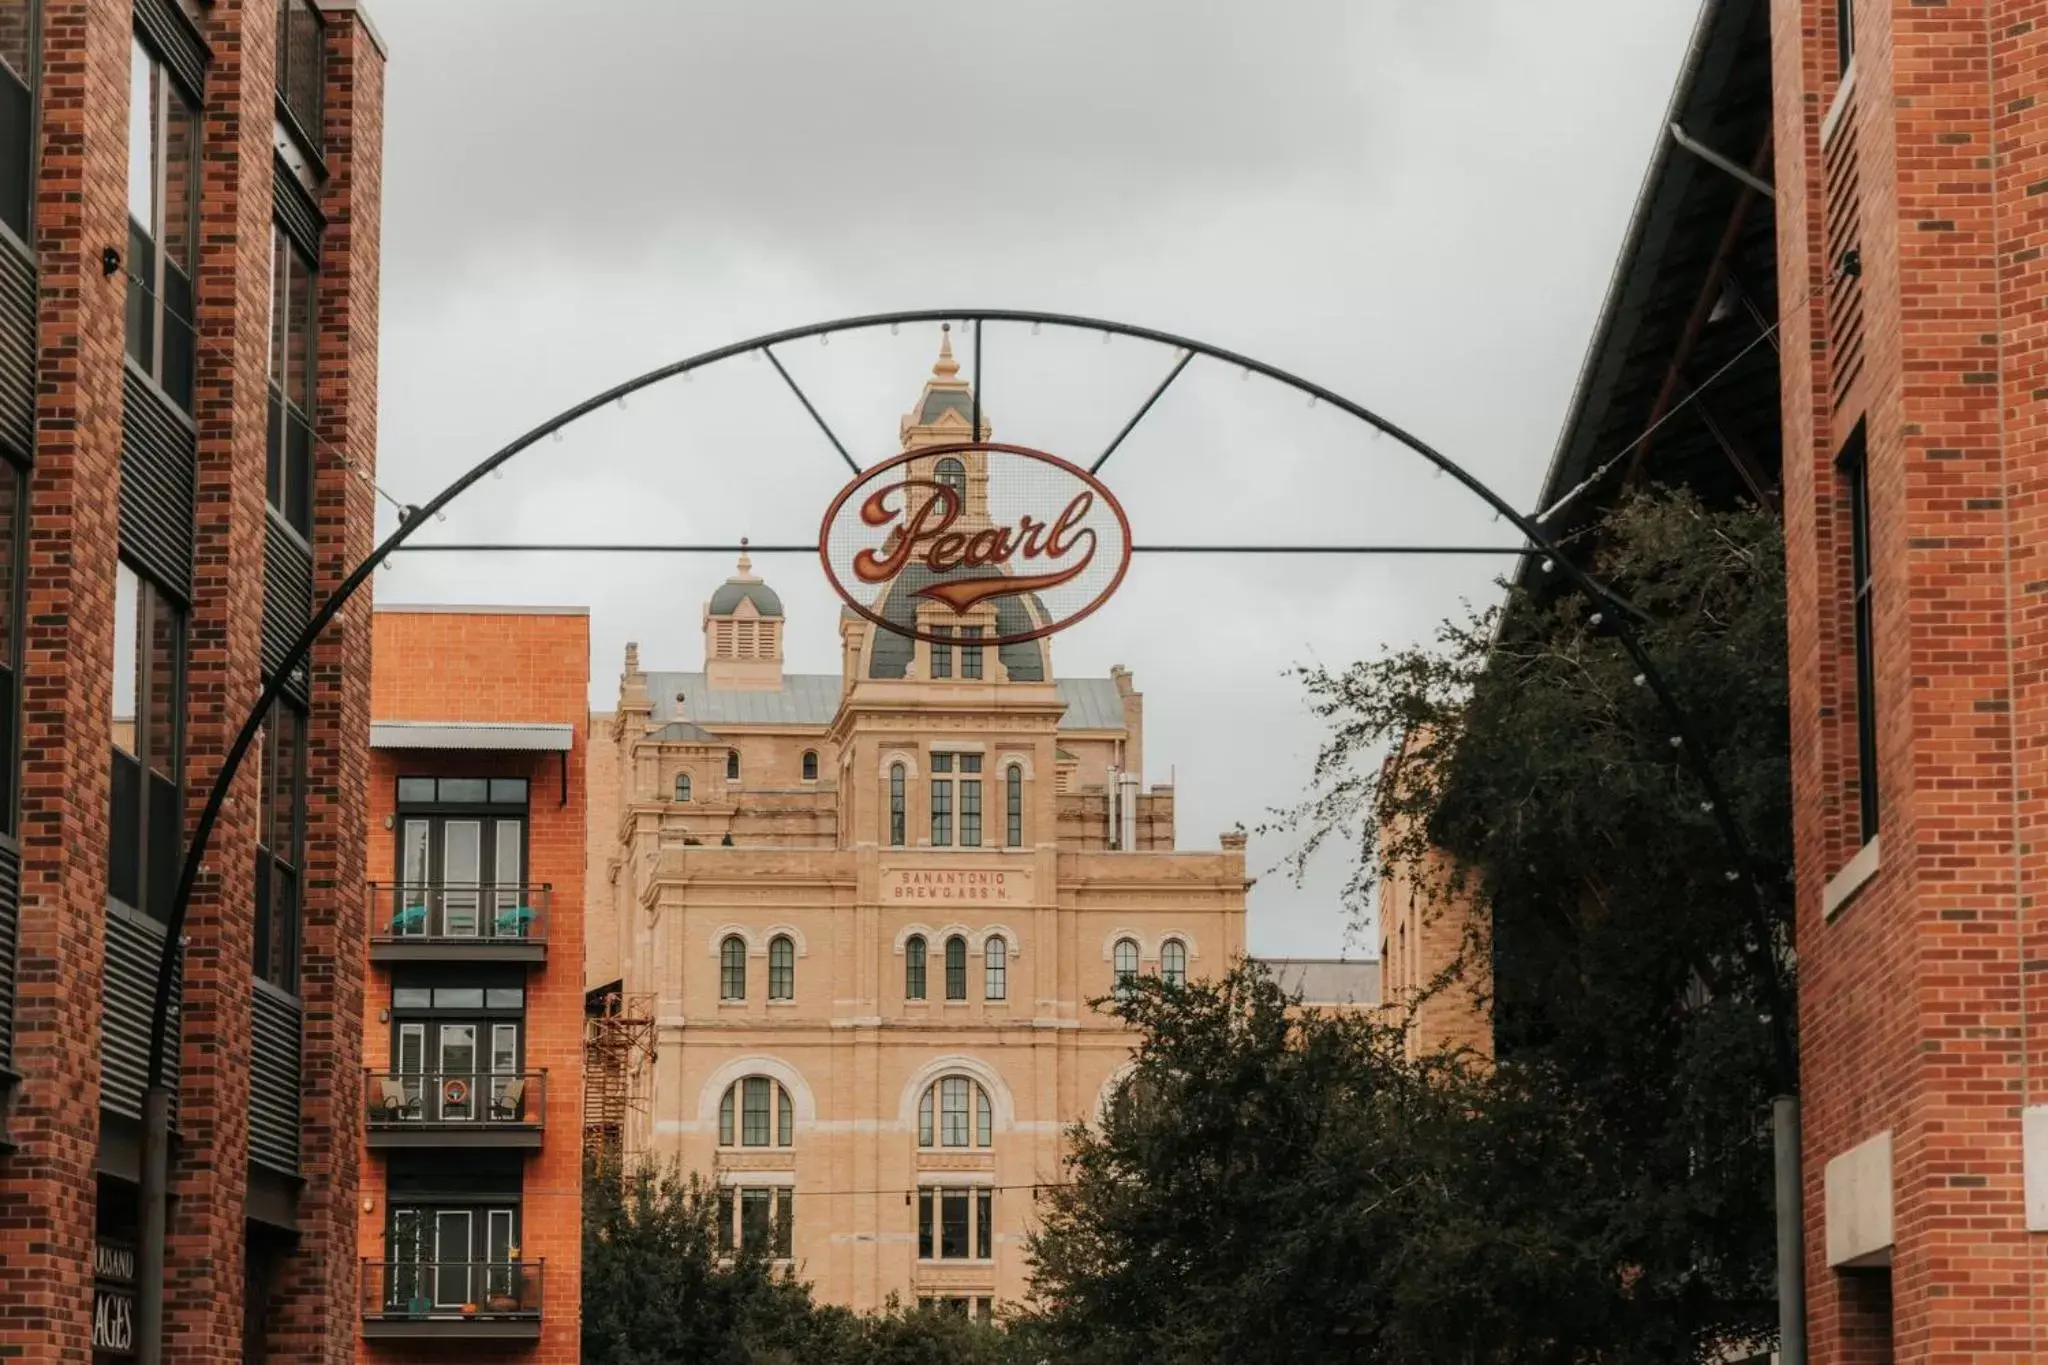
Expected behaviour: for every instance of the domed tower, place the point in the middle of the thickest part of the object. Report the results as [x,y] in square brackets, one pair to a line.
[945,415]
[743,632]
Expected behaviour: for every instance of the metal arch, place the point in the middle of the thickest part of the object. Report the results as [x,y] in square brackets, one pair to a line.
[1691,749]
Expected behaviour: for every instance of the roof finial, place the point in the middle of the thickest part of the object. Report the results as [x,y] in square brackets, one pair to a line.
[746,563]
[946,367]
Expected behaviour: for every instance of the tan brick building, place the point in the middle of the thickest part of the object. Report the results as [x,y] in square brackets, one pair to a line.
[1912,161]
[471,1222]
[867,911]
[189,206]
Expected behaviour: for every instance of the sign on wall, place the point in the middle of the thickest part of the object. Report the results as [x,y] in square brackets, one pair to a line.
[1005,538]
[113,1299]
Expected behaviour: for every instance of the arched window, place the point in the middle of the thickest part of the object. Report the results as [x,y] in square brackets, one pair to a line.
[896,805]
[781,968]
[953,475]
[810,765]
[944,1110]
[682,786]
[732,968]
[1126,962]
[732,765]
[1173,962]
[956,968]
[995,962]
[1013,806]
[913,968]
[748,1101]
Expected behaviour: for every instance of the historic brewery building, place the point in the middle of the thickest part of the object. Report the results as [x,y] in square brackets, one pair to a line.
[867,910]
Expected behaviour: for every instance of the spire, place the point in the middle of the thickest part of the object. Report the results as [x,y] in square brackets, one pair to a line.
[746,563]
[946,367]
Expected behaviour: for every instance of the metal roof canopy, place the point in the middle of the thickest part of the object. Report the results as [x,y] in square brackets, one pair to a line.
[1674,244]
[520,737]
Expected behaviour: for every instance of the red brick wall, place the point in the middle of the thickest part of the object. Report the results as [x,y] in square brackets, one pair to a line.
[502,666]
[47,1185]
[1916,1013]
[47,1189]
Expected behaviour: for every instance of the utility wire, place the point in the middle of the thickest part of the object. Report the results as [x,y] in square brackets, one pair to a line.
[403,508]
[1583,484]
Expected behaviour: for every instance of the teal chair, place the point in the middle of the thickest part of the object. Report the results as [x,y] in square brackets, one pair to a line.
[516,922]
[410,921]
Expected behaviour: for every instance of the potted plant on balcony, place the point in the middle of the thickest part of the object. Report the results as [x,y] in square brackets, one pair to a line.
[507,1293]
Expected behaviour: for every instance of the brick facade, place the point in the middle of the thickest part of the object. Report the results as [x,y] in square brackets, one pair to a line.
[54,1182]
[1919,950]
[496,666]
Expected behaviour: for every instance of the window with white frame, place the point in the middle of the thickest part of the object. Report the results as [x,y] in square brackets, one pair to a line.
[954,1111]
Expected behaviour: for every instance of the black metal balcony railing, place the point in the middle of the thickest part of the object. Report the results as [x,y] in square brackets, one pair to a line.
[437,1298]
[455,1108]
[415,919]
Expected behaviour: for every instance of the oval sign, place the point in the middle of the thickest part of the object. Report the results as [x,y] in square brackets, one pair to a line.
[1002,540]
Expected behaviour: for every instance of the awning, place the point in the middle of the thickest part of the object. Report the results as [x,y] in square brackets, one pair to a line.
[451,734]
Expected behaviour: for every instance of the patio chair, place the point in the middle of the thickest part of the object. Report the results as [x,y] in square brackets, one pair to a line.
[394,1105]
[509,1102]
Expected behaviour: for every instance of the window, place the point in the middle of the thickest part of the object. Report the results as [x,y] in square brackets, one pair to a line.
[896,830]
[1013,807]
[942,654]
[1855,475]
[732,765]
[956,968]
[163,223]
[147,826]
[950,473]
[970,653]
[810,765]
[280,840]
[913,968]
[18,63]
[970,801]
[995,965]
[942,801]
[462,859]
[766,1220]
[682,786]
[1173,962]
[964,1116]
[1126,962]
[301,65]
[752,1098]
[445,1255]
[458,1050]
[732,969]
[981,1307]
[781,968]
[293,316]
[954,1224]
[13,501]
[1845,35]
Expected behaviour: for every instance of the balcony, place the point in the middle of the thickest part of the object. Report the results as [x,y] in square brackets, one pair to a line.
[452,1300]
[454,1108]
[436,922]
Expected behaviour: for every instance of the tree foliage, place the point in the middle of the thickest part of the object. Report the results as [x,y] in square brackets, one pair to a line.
[658,1289]
[1640,975]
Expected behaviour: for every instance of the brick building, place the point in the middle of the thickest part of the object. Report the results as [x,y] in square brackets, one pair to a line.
[1912,160]
[472,1181]
[189,202]
[862,915]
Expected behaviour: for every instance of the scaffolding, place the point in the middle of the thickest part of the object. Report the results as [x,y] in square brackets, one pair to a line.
[618,1038]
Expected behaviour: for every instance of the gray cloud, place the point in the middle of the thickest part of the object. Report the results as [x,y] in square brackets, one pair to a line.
[1414,204]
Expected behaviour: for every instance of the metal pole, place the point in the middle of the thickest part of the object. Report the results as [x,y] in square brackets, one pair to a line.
[1791,1232]
[149,1257]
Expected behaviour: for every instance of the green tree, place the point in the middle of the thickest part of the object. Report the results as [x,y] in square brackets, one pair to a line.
[1641,978]
[659,1288]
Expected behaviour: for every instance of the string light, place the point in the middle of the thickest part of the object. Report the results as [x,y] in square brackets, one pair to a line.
[1034,329]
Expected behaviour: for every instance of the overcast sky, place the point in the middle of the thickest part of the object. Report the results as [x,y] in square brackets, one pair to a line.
[1414,202]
